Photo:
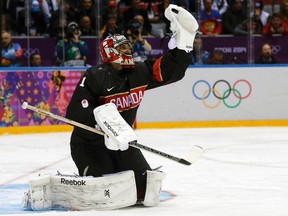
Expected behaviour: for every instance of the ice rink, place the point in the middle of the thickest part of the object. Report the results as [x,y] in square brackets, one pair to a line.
[243,171]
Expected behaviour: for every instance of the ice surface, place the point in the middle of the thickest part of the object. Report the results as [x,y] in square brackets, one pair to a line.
[243,171]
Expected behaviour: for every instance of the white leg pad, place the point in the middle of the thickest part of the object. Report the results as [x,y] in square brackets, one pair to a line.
[83,193]
[153,188]
[40,193]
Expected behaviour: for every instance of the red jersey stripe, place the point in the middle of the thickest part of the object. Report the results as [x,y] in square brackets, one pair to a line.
[157,76]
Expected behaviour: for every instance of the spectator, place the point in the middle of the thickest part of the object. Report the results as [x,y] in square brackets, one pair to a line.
[110,28]
[50,9]
[234,15]
[266,56]
[182,3]
[217,57]
[70,11]
[122,6]
[276,25]
[259,14]
[284,10]
[199,56]
[87,9]
[38,19]
[11,52]
[155,11]
[86,28]
[71,51]
[249,27]
[132,11]
[155,14]
[139,19]
[111,10]
[13,9]
[210,23]
[75,3]
[58,22]
[35,60]
[219,5]
[140,45]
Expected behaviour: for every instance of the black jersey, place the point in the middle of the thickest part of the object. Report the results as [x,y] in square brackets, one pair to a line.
[102,84]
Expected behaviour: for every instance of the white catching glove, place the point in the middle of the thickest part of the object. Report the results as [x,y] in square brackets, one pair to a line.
[183,26]
[118,133]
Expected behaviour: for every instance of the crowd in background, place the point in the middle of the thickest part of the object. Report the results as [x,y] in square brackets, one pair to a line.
[134,19]
[48,17]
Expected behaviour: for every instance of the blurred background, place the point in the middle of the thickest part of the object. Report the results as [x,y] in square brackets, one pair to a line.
[232,31]
[47,45]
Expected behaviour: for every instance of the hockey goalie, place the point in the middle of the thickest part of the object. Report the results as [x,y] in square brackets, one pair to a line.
[110,191]
[113,174]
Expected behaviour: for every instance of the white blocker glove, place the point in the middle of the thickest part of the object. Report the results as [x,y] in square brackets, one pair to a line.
[111,144]
[118,133]
[183,26]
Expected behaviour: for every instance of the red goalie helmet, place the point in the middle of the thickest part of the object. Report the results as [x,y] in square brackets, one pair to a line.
[117,49]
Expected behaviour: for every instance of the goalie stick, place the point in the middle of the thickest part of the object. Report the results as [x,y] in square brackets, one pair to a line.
[195,154]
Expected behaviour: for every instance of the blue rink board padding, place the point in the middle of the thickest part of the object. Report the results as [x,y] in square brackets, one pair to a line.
[11,196]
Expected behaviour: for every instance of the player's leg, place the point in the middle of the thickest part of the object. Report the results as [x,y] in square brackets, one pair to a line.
[148,182]
[92,160]
[133,159]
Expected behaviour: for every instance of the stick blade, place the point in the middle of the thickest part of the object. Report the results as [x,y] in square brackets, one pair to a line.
[185,162]
[194,155]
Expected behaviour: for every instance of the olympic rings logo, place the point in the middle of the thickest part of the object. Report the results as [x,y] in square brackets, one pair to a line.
[275,49]
[229,100]
[27,52]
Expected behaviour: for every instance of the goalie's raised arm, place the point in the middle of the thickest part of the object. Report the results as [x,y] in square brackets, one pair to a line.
[171,67]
